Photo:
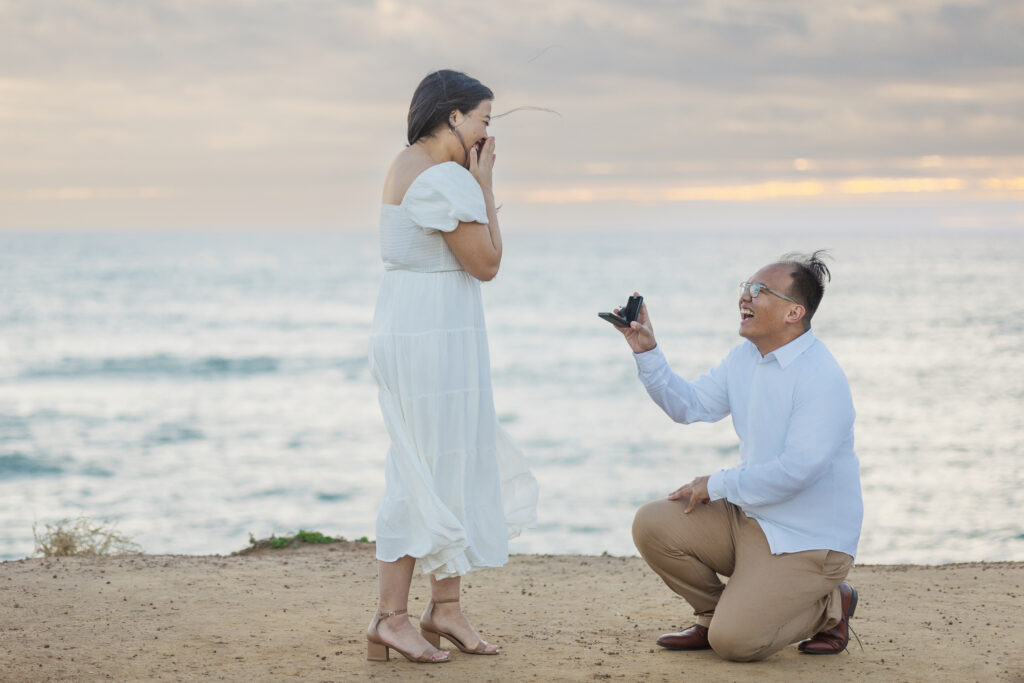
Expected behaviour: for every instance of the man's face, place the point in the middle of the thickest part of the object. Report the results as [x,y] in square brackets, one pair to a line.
[763,318]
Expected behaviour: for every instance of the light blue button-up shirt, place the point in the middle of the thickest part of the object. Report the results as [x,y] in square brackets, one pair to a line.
[798,475]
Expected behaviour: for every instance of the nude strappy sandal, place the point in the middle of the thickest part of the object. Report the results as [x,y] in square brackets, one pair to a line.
[378,651]
[433,634]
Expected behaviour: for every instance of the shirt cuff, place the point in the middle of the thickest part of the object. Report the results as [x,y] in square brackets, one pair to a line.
[650,361]
[716,485]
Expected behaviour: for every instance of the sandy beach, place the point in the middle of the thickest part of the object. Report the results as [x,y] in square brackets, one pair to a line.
[301,613]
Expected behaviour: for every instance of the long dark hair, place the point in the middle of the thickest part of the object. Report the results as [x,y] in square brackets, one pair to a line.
[438,95]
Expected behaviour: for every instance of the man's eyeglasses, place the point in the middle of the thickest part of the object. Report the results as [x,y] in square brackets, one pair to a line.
[756,288]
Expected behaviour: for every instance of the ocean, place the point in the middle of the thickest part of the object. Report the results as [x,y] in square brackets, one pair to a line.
[196,388]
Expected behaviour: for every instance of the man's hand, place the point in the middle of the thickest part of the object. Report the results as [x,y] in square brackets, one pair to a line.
[640,334]
[697,490]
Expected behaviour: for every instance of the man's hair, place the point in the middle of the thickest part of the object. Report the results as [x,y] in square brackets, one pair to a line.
[809,273]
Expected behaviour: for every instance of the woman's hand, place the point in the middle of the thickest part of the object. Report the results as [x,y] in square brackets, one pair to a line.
[640,334]
[696,490]
[481,162]
[478,246]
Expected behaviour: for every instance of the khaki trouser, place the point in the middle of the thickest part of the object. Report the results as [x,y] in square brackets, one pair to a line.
[770,600]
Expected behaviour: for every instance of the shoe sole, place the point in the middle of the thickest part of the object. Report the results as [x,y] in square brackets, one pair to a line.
[683,649]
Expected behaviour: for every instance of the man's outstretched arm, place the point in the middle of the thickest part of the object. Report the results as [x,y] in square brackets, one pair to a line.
[704,400]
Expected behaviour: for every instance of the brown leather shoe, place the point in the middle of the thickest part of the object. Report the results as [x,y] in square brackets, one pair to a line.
[834,640]
[693,638]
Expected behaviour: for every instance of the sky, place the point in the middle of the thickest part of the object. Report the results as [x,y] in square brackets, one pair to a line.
[256,114]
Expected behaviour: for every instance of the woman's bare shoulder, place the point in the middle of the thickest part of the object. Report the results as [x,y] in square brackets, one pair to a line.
[406,167]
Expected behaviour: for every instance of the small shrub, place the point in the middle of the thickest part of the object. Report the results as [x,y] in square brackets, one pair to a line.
[82,537]
[315,537]
[278,542]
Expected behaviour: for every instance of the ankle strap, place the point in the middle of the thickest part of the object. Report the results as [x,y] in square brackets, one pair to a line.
[392,613]
[437,602]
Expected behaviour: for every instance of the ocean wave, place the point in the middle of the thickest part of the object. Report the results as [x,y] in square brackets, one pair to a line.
[16,464]
[13,428]
[178,366]
[171,432]
[334,497]
[19,464]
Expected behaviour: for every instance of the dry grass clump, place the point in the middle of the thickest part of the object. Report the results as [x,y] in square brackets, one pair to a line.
[82,537]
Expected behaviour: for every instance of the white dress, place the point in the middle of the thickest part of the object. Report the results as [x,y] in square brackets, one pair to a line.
[457,486]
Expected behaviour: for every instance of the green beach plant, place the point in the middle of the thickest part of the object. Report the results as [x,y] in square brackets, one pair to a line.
[82,537]
[279,542]
[302,537]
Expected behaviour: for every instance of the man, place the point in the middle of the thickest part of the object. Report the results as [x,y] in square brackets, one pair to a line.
[783,525]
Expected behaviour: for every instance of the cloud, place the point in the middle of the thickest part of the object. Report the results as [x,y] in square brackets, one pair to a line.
[267,101]
[63,194]
[1011,189]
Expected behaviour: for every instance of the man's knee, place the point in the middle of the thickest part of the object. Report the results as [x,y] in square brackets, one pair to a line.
[738,644]
[646,524]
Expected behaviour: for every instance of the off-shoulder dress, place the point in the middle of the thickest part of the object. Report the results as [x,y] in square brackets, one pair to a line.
[457,486]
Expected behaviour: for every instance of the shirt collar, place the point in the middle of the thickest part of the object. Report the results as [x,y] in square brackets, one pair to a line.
[791,351]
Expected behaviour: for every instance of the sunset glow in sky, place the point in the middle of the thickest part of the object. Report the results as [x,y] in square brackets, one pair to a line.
[165,114]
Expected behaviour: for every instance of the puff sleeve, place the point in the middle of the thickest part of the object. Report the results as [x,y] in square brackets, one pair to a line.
[442,196]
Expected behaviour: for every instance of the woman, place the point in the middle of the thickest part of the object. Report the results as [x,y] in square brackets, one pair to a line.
[457,487]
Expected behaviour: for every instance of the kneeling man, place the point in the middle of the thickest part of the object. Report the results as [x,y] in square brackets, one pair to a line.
[783,524]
